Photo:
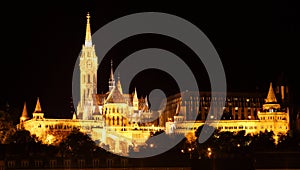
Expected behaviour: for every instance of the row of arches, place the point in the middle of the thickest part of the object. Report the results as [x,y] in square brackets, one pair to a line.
[115,120]
[115,110]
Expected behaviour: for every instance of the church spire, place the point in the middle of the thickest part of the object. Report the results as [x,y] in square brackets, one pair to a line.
[88,36]
[38,108]
[271,95]
[111,79]
[135,94]
[135,100]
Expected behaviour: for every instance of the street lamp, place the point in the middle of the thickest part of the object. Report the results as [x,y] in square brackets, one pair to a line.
[190,151]
[209,152]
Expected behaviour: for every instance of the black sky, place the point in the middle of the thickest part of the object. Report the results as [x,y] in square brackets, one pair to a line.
[256,41]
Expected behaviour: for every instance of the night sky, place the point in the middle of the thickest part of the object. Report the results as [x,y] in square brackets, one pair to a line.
[256,41]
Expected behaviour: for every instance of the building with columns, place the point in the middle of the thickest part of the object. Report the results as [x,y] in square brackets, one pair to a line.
[251,112]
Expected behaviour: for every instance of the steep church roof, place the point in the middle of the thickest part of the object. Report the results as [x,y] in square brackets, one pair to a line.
[115,96]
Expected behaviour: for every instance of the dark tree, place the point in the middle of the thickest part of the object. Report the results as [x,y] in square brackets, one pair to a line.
[77,145]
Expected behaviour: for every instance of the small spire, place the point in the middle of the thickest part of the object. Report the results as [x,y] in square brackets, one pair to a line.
[271,95]
[177,109]
[74,116]
[111,71]
[146,101]
[111,79]
[38,108]
[88,35]
[135,93]
[119,84]
[24,113]
[146,105]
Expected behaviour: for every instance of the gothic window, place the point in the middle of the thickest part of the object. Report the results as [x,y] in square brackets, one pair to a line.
[109,163]
[53,163]
[11,164]
[96,163]
[89,78]
[38,163]
[67,163]
[81,163]
[124,162]
[24,163]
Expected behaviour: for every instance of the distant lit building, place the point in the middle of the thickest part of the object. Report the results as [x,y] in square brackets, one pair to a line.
[249,112]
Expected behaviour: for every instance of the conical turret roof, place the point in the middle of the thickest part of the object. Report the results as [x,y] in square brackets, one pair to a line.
[271,98]
[38,108]
[25,113]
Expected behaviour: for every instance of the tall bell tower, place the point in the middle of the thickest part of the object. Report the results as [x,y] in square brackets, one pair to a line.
[88,75]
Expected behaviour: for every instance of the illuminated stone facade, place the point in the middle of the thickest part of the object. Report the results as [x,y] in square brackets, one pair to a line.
[122,120]
[114,119]
[250,112]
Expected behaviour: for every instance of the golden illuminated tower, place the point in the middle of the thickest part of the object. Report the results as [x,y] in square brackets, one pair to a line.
[88,75]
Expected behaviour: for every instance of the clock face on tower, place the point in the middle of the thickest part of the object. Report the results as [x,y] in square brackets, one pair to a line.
[89,64]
